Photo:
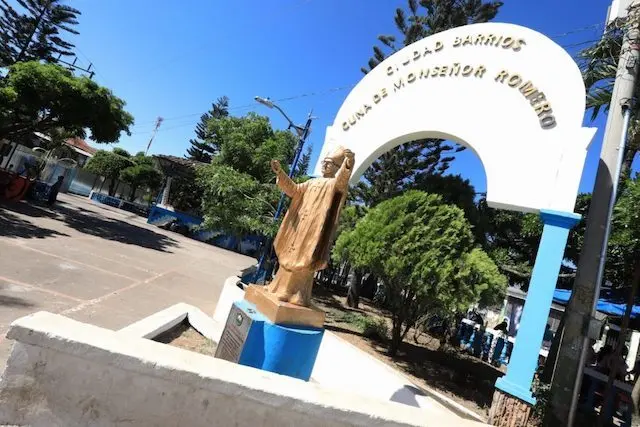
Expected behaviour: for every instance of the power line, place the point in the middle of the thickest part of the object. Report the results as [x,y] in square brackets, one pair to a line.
[90,62]
[246,106]
[149,123]
[577,30]
[568,46]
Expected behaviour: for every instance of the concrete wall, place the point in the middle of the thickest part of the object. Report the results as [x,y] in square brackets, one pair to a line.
[66,373]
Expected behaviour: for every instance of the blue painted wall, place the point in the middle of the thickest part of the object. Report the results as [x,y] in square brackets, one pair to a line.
[160,216]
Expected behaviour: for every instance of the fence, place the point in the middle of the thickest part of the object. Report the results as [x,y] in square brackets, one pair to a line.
[84,183]
[119,203]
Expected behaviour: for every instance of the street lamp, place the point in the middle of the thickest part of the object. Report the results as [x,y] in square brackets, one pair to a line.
[270,104]
[303,133]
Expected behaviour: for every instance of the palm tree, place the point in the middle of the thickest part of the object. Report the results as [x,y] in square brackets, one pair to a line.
[599,66]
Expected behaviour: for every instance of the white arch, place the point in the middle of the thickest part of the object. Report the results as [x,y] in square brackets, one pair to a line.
[490,101]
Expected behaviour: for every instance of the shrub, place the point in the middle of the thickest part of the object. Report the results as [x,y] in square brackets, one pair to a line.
[375,329]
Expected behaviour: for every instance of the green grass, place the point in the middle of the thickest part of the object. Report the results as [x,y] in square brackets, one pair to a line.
[370,328]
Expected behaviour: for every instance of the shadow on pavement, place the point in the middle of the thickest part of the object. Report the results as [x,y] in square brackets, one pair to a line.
[11,225]
[82,220]
[466,377]
[7,301]
[407,395]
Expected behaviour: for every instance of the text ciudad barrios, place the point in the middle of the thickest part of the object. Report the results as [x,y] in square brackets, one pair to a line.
[402,78]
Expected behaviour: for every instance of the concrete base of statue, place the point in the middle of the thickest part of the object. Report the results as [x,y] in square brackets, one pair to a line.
[251,339]
[283,313]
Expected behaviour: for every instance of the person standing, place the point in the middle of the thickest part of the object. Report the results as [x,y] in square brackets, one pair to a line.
[53,192]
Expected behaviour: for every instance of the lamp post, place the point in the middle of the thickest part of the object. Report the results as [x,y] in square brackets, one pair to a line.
[303,133]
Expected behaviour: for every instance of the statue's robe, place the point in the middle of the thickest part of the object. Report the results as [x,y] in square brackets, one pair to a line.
[305,237]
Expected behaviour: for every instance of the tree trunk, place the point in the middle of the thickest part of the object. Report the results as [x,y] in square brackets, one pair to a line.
[550,363]
[24,48]
[353,296]
[396,337]
[345,274]
[95,181]
[112,187]
[631,296]
[508,411]
[132,194]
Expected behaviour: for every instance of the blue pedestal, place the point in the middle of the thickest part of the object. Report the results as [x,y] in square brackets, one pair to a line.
[283,349]
[524,359]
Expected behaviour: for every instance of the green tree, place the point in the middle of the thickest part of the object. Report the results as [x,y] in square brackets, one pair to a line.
[349,217]
[236,203]
[512,240]
[122,152]
[393,171]
[35,34]
[109,164]
[302,169]
[141,173]
[37,97]
[239,195]
[457,191]
[249,143]
[423,250]
[200,149]
[599,65]
[186,193]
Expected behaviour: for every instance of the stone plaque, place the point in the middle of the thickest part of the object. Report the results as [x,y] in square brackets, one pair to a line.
[234,335]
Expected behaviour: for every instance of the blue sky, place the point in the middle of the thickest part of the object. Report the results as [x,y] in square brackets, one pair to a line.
[172,59]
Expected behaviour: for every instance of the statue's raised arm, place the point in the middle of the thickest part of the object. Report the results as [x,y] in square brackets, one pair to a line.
[344,173]
[283,181]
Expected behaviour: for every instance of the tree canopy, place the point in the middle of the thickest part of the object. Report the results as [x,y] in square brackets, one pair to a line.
[141,173]
[200,149]
[109,164]
[37,97]
[239,193]
[428,17]
[35,32]
[423,250]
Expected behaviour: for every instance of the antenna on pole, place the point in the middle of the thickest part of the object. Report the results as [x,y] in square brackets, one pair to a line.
[153,134]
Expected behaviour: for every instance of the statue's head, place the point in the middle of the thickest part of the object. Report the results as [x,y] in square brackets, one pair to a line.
[332,163]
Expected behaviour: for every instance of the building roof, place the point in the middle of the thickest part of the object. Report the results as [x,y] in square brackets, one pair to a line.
[176,166]
[81,146]
[518,293]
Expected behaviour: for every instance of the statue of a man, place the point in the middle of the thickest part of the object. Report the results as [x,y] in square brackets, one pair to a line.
[306,235]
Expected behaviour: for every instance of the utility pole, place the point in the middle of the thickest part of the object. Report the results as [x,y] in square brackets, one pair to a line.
[76,67]
[567,379]
[159,121]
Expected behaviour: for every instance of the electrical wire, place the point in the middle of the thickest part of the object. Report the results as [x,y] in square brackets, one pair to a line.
[149,123]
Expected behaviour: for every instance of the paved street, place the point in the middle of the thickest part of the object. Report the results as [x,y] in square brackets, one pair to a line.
[100,265]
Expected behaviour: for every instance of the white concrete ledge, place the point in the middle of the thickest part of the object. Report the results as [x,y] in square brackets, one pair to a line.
[230,293]
[342,366]
[160,322]
[66,373]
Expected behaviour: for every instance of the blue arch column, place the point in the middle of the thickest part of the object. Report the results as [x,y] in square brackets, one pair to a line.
[524,358]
